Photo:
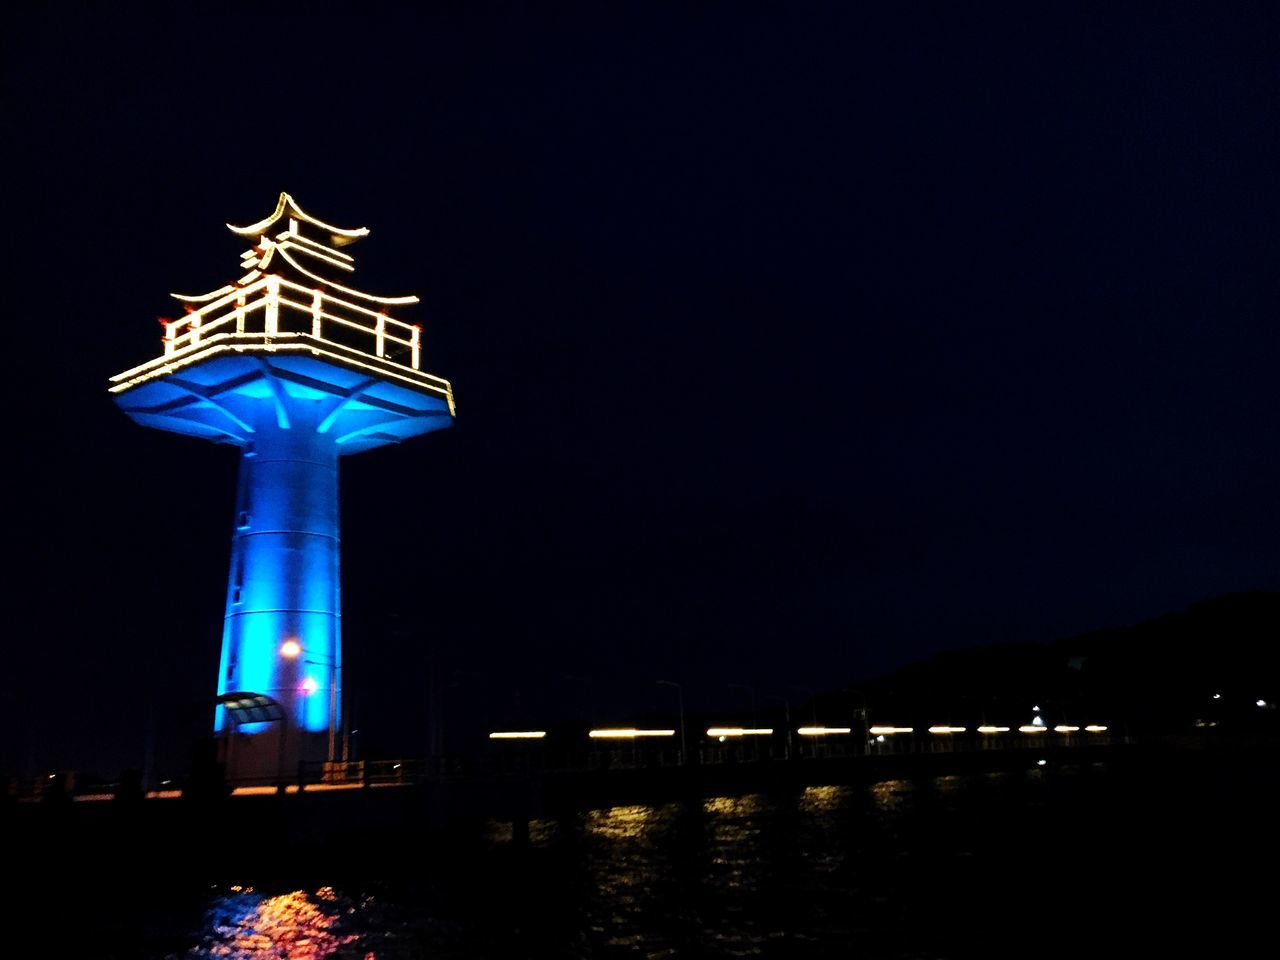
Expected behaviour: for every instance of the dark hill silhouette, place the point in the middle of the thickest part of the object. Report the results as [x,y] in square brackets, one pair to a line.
[1160,675]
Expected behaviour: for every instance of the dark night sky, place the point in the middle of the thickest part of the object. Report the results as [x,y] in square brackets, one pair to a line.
[790,344]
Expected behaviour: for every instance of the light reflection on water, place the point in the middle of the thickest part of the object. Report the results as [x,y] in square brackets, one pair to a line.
[734,828]
[823,800]
[736,874]
[823,843]
[245,925]
[949,784]
[627,823]
[628,875]
[823,872]
[892,796]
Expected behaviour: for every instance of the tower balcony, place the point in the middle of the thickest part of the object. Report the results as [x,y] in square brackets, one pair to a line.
[276,355]
[274,315]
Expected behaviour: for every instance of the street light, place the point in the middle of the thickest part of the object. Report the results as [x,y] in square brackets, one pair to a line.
[786,713]
[863,713]
[291,650]
[813,701]
[684,743]
[751,692]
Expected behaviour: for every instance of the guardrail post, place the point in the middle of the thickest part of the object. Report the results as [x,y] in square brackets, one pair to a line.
[273,306]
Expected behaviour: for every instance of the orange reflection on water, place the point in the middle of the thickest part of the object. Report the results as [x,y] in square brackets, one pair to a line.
[823,799]
[748,805]
[621,823]
[628,867]
[291,926]
[890,796]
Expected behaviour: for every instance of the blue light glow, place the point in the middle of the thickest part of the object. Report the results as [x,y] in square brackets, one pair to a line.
[293,417]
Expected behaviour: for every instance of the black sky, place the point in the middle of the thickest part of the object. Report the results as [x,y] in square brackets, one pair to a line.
[790,343]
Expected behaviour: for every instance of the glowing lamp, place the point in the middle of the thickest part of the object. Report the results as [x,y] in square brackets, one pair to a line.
[627,733]
[822,731]
[722,732]
[290,649]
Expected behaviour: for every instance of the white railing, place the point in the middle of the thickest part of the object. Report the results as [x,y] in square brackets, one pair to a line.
[235,313]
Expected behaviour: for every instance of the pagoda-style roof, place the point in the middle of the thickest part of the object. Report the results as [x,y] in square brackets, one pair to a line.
[288,208]
[291,253]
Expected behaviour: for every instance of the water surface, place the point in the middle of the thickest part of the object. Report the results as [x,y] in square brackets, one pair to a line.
[1085,860]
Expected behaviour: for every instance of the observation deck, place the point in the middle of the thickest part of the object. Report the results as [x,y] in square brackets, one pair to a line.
[288,338]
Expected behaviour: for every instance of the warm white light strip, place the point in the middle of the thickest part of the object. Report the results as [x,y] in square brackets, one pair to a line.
[287,202]
[330,787]
[1065,728]
[1032,728]
[1095,728]
[886,731]
[268,254]
[256,791]
[373,332]
[232,295]
[944,729]
[199,332]
[291,234]
[286,282]
[517,735]
[204,297]
[262,255]
[310,250]
[228,293]
[739,731]
[306,345]
[988,729]
[627,733]
[390,301]
[822,731]
[194,342]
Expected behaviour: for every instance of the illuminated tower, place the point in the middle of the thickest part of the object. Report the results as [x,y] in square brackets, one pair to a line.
[297,370]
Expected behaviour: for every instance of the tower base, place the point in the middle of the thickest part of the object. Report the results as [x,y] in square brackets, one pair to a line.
[273,756]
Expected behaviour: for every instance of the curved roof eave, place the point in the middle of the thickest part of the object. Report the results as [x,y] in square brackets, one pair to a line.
[287,205]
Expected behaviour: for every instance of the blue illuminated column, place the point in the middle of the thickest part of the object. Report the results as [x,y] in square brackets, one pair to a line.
[284,582]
